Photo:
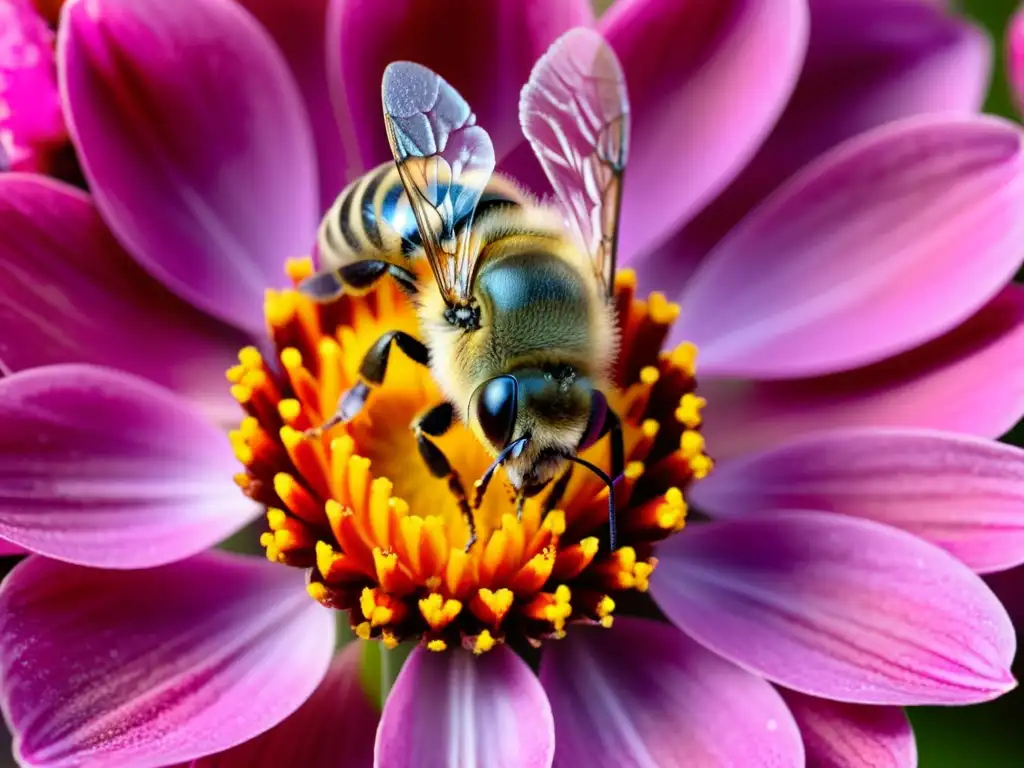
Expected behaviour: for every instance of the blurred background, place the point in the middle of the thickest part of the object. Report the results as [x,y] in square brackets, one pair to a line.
[985,736]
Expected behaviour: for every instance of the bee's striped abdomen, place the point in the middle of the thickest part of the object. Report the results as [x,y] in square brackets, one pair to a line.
[372,218]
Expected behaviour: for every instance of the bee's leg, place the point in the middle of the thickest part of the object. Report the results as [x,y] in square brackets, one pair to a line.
[613,428]
[371,374]
[358,277]
[436,422]
[557,492]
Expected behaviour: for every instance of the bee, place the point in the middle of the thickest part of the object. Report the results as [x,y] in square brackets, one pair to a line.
[518,323]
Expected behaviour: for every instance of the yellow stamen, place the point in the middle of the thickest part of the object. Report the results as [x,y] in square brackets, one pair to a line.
[484,642]
[688,412]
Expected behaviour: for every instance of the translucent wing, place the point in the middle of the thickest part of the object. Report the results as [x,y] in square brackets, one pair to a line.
[575,113]
[445,161]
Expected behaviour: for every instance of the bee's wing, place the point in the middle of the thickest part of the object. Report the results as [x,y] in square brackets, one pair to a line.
[575,113]
[445,160]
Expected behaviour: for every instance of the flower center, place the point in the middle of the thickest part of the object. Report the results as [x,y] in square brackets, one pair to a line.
[386,541]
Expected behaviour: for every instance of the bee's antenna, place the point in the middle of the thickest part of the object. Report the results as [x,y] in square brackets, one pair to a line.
[513,449]
[611,495]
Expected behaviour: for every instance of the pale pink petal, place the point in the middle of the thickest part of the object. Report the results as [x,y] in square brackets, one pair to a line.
[963,493]
[195,142]
[102,468]
[869,62]
[685,64]
[644,695]
[454,709]
[958,383]
[484,49]
[31,125]
[298,28]
[884,243]
[838,607]
[334,727]
[153,667]
[69,293]
[838,735]
[8,548]
[1015,56]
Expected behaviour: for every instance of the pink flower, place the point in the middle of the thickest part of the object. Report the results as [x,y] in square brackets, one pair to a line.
[808,180]
[31,125]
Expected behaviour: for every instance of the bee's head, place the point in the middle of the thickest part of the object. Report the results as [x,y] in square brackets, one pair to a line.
[558,411]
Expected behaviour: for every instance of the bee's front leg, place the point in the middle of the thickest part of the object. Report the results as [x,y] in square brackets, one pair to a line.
[371,374]
[435,422]
[613,428]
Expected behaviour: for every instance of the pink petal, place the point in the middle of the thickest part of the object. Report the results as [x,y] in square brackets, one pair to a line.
[884,243]
[195,143]
[869,62]
[1015,56]
[454,709]
[8,548]
[298,29]
[484,49]
[956,383]
[69,293]
[838,735]
[101,468]
[965,494]
[148,668]
[707,80]
[644,694]
[838,607]
[31,126]
[334,727]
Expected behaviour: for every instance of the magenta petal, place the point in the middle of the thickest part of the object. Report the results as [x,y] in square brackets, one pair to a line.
[838,607]
[884,243]
[484,49]
[685,63]
[148,668]
[297,27]
[101,468]
[956,383]
[869,62]
[454,709]
[69,293]
[195,143]
[965,494]
[838,735]
[8,548]
[31,125]
[334,727]
[644,694]
[1015,56]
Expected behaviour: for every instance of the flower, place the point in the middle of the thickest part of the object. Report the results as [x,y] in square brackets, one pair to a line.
[851,390]
[31,126]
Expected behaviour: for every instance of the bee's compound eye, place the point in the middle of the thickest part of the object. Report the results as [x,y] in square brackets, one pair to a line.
[494,405]
[595,424]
